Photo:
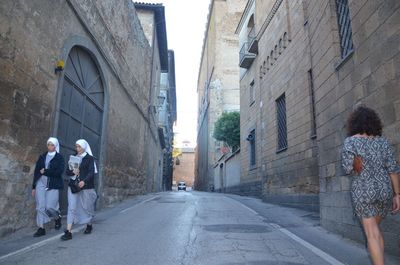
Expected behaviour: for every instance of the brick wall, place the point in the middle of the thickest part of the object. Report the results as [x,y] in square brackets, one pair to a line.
[185,170]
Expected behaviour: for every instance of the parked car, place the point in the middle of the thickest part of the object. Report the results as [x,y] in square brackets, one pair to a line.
[182,185]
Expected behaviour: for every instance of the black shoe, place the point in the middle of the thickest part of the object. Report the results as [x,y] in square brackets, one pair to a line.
[88,229]
[57,222]
[40,232]
[67,235]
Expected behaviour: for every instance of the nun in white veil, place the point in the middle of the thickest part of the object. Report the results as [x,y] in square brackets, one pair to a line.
[81,204]
[47,181]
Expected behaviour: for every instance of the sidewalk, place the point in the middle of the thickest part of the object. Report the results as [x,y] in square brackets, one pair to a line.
[306,225]
[23,240]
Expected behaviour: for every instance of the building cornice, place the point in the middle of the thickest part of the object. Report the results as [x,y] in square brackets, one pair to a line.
[244,16]
[161,29]
[210,10]
[267,21]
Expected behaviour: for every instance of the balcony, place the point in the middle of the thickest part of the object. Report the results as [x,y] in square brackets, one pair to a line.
[252,40]
[246,58]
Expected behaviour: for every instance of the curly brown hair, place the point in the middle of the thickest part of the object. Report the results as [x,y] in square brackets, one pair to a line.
[364,120]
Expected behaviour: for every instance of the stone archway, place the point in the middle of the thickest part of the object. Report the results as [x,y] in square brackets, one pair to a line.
[81,106]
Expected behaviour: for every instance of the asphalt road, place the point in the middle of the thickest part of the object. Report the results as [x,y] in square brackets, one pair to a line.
[192,228]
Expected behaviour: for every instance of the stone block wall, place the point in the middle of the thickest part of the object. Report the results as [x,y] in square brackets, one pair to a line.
[185,170]
[291,175]
[33,36]
[282,65]
[369,76]
[218,79]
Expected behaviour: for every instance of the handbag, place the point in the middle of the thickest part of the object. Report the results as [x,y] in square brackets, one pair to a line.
[74,185]
[357,164]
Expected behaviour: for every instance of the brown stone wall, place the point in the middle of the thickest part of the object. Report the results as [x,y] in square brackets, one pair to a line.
[288,176]
[369,76]
[185,170]
[33,36]
[218,80]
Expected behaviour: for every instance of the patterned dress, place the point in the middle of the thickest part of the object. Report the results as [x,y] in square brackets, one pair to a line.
[371,191]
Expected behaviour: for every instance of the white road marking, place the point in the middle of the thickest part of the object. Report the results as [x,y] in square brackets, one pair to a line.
[37,245]
[251,210]
[130,208]
[325,256]
[328,258]
[57,237]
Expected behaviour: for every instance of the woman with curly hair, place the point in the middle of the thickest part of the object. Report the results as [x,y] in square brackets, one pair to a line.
[375,188]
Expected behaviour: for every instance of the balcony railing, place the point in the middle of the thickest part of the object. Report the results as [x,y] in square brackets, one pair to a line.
[245,57]
[252,40]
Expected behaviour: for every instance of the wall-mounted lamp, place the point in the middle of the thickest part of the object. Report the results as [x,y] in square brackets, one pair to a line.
[250,137]
[60,66]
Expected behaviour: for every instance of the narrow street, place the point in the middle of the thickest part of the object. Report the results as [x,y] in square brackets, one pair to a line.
[193,228]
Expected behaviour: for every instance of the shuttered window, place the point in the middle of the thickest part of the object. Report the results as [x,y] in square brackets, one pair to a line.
[343,16]
[281,120]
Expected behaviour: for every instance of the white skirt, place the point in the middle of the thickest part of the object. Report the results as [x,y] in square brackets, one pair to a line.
[81,206]
[47,205]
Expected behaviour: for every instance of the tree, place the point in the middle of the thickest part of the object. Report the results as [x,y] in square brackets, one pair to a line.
[227,129]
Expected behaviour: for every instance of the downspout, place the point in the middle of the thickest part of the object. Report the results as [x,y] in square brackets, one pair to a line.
[148,184]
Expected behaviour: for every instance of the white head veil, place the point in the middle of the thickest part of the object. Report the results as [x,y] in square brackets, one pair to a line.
[85,145]
[54,141]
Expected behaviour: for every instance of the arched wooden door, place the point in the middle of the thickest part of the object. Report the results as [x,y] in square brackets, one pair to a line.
[81,108]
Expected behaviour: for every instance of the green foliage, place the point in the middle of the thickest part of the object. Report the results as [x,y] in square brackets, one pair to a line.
[227,129]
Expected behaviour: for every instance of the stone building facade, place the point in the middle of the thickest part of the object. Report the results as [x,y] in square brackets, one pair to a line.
[167,118]
[344,75]
[227,175]
[278,148]
[218,83]
[152,19]
[104,94]
[307,65]
[184,167]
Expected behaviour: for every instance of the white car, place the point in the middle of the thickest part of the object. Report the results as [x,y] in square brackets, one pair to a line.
[182,185]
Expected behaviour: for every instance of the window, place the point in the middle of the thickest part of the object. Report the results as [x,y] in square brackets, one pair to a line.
[285,40]
[345,35]
[272,57]
[252,93]
[252,141]
[281,123]
[312,102]
[265,67]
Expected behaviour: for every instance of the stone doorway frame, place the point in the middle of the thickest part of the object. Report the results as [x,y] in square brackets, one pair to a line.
[90,47]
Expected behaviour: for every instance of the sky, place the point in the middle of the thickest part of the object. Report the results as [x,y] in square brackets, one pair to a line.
[185,34]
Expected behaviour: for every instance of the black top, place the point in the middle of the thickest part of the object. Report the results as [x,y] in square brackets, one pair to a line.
[53,172]
[86,171]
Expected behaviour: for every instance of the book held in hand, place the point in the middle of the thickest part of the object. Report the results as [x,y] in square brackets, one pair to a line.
[74,162]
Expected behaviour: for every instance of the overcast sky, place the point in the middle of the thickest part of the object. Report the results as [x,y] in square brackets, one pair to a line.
[186,23]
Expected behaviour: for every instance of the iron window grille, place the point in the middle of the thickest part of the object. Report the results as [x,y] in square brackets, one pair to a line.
[281,120]
[312,102]
[345,34]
